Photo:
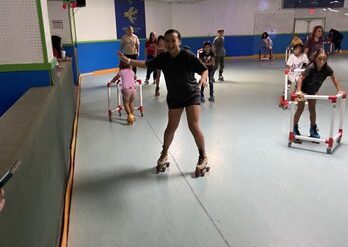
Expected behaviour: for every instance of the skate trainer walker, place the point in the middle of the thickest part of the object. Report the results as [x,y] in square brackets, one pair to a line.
[334,139]
[119,105]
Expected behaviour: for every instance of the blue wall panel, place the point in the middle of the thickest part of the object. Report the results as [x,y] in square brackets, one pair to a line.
[14,84]
[70,53]
[97,56]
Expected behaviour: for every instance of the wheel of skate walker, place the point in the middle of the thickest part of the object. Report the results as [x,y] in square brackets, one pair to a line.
[289,144]
[328,151]
[142,114]
[119,113]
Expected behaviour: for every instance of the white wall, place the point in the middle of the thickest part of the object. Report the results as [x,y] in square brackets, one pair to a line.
[245,17]
[47,30]
[96,21]
[56,12]
[158,17]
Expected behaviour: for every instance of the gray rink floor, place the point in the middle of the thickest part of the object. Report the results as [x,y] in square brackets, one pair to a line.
[259,192]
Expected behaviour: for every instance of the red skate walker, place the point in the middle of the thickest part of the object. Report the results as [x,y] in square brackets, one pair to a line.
[119,105]
[284,99]
[334,139]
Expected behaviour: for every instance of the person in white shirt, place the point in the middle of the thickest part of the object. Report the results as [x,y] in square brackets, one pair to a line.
[296,61]
[130,45]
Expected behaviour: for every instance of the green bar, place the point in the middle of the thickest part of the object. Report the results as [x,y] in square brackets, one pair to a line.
[28,67]
[42,31]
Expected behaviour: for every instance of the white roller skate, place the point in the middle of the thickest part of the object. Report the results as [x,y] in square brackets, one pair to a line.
[202,166]
[162,163]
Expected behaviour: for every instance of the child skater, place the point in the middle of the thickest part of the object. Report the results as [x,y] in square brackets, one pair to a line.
[297,60]
[179,66]
[310,82]
[159,50]
[128,89]
[268,44]
[208,59]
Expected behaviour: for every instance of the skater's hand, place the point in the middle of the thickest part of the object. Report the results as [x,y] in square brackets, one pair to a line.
[299,95]
[341,92]
[123,57]
[2,199]
[203,83]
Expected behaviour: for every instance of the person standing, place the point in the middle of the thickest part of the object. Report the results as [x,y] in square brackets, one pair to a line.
[315,42]
[336,38]
[150,50]
[130,45]
[220,53]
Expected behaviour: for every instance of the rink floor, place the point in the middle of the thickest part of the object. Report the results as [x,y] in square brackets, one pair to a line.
[259,192]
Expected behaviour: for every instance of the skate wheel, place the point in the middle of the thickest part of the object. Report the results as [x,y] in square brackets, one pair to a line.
[339,140]
[110,119]
[207,169]
[142,114]
[328,151]
[289,144]
[167,164]
[119,113]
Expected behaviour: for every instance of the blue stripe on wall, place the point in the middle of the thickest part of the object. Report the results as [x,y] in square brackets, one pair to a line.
[70,53]
[14,84]
[102,55]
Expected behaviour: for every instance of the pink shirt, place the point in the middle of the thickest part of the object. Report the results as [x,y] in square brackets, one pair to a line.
[127,77]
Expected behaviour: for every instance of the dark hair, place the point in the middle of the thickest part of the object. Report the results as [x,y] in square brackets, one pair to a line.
[264,35]
[206,43]
[315,29]
[298,46]
[170,31]
[150,36]
[124,65]
[161,37]
[56,44]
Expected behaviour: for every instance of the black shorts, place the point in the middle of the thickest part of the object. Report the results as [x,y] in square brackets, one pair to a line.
[179,103]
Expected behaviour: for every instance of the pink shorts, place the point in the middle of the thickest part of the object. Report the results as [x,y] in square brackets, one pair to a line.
[129,93]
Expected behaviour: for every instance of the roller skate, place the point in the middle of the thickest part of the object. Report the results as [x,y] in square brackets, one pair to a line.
[221,78]
[297,133]
[146,82]
[202,166]
[131,119]
[211,99]
[157,92]
[162,163]
[314,132]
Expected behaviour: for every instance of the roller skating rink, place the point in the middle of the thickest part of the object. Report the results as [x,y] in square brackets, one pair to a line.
[258,192]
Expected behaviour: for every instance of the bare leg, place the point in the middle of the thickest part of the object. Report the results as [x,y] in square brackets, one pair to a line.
[298,113]
[312,112]
[131,104]
[193,114]
[174,116]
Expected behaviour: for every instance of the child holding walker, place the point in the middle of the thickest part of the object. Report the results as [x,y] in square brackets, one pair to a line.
[128,89]
[309,83]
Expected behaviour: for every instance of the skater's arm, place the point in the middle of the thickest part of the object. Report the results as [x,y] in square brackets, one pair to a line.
[337,84]
[116,77]
[2,199]
[204,79]
[136,63]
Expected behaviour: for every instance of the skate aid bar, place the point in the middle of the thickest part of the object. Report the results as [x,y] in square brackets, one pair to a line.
[333,138]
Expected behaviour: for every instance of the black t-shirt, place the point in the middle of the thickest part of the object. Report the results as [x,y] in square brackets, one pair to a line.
[207,58]
[179,74]
[314,78]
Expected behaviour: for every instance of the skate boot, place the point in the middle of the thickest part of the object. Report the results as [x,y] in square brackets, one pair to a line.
[314,132]
[221,78]
[297,132]
[202,166]
[130,119]
[162,163]
[202,99]
[146,82]
[211,99]
[157,92]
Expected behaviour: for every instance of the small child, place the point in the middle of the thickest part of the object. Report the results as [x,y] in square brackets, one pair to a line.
[310,82]
[207,57]
[296,61]
[268,44]
[128,89]
[159,50]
